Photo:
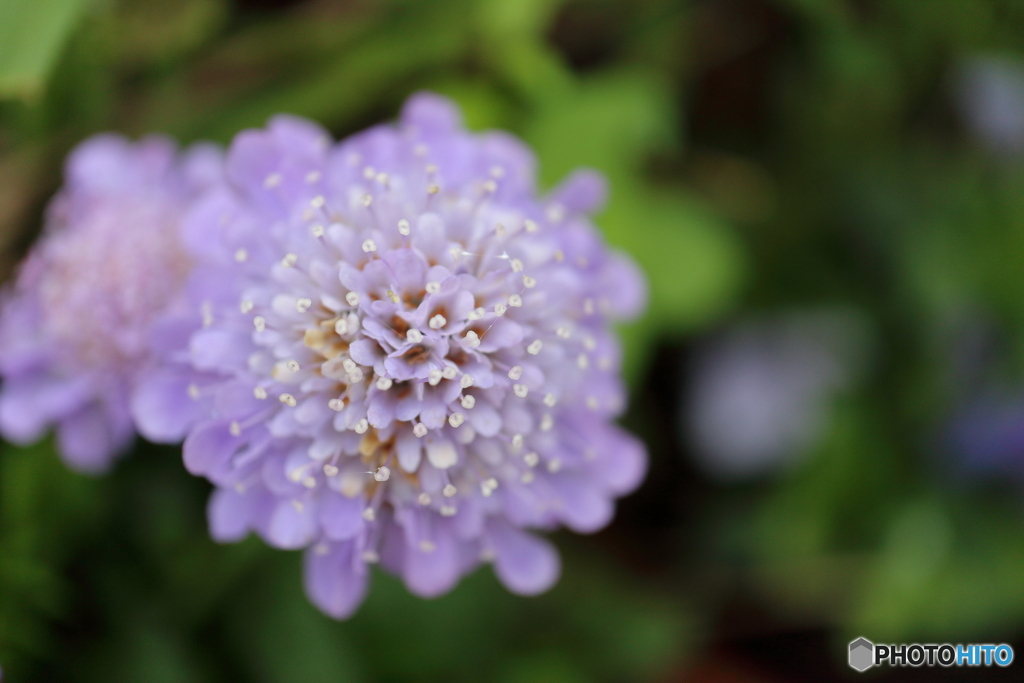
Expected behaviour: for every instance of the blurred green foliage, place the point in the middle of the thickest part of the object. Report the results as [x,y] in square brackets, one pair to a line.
[762,155]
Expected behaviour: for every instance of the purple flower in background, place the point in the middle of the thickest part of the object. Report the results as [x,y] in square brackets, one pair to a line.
[81,320]
[406,356]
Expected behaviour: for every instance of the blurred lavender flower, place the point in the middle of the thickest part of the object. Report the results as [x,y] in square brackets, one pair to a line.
[406,355]
[81,320]
[759,398]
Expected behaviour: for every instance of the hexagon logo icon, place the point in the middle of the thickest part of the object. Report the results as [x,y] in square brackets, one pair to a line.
[862,654]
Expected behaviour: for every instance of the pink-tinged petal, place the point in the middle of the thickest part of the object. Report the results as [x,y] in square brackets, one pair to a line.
[524,563]
[335,578]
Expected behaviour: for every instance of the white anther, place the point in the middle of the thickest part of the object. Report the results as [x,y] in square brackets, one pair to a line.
[369,172]
[235,429]
[341,327]
[535,346]
[348,364]
[555,213]
[361,426]
[369,245]
[352,298]
[437,322]
[431,168]
[497,172]
[605,363]
[527,477]
[312,177]
[433,287]
[403,227]
[414,336]
[589,343]
[449,372]
[259,322]
[448,510]
[472,339]
[520,390]
[433,189]
[582,361]
[259,392]
[547,422]
[293,365]
[490,186]
[531,226]
[550,400]
[382,473]
[563,332]
[382,178]
[316,230]
[288,400]
[592,403]
[394,297]
[207,310]
[456,419]
[456,253]
[289,260]
[517,265]
[491,483]
[499,309]
[241,255]
[370,557]
[302,305]
[384,383]
[309,482]
[468,402]
[516,372]
[317,201]
[330,470]
[193,392]
[420,430]
[449,491]
[423,498]
[336,404]
[466,381]
[476,314]
[515,301]
[517,441]
[368,514]
[531,459]
[245,306]
[529,282]
[355,377]
[499,230]
[272,180]
[434,377]
[588,306]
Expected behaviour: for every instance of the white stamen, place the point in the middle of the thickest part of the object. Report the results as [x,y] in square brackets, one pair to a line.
[516,372]
[349,365]
[456,419]
[259,322]
[431,169]
[423,498]
[434,377]
[427,546]
[550,400]
[531,459]
[554,465]
[312,177]
[517,441]
[592,403]
[527,477]
[476,314]
[336,404]
[520,390]
[368,514]
[497,172]
[288,400]
[490,186]
[466,381]
[352,298]
[382,178]
[403,227]
[369,245]
[529,282]
[589,343]
[330,470]
[317,201]
[588,306]
[341,327]
[369,172]
[555,213]
[193,392]
[547,422]
[384,383]
[515,301]
[563,332]
[309,482]
[394,297]
[289,260]
[433,189]
[361,426]
[437,322]
[468,402]
[517,265]
[414,336]
[316,230]
[245,306]
[499,230]
[433,287]
[448,510]
[259,392]
[449,372]
[293,365]
[382,473]
[207,311]
[582,361]
[499,309]
[241,255]
[355,377]
[302,305]
[235,429]
[370,557]
[272,180]
[420,430]
[535,346]
[531,226]
[472,339]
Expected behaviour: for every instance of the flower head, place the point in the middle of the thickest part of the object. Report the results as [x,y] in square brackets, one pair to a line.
[409,357]
[78,324]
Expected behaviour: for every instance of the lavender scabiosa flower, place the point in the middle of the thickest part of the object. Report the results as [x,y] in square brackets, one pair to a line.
[408,355]
[91,303]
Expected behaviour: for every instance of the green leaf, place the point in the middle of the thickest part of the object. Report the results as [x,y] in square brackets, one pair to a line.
[32,34]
